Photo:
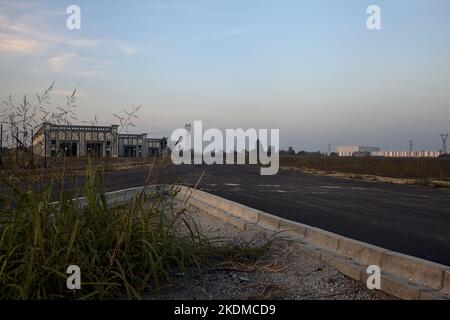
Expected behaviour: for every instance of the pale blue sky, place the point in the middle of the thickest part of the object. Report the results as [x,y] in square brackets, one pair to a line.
[309,68]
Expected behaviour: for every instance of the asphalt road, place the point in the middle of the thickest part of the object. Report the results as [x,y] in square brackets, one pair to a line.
[408,219]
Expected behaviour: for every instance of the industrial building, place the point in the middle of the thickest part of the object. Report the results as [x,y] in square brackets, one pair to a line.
[352,151]
[355,151]
[407,154]
[98,141]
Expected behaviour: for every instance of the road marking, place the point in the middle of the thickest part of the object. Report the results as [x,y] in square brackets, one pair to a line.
[331,187]
[232,184]
[278,191]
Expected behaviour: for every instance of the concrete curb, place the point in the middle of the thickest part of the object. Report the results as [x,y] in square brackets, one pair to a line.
[120,197]
[402,276]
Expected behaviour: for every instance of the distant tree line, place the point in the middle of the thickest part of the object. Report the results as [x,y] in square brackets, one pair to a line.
[291,152]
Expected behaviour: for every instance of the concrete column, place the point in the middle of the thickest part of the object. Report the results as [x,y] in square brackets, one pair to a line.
[114,141]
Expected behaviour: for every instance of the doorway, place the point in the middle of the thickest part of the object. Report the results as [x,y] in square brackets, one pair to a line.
[94,149]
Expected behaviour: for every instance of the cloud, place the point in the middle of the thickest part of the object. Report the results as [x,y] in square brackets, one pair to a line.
[18,4]
[72,64]
[14,44]
[17,25]
[80,43]
[35,44]
[27,29]
[127,49]
[59,62]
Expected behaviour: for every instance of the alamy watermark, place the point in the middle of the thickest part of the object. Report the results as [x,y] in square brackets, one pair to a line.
[197,147]
[374,278]
[73,22]
[74,280]
[374,20]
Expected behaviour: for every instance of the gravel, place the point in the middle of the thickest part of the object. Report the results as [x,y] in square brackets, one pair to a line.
[285,274]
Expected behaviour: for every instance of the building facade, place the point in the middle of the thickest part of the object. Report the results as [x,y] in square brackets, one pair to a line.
[99,141]
[132,145]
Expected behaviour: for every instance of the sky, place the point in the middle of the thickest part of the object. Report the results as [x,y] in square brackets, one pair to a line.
[309,68]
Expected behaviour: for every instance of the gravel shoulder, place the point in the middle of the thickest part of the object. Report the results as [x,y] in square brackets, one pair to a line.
[284,274]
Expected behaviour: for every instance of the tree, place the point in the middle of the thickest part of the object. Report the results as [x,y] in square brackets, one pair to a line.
[291,151]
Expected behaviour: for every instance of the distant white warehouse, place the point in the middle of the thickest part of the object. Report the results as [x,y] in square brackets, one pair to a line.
[407,154]
[355,151]
[350,151]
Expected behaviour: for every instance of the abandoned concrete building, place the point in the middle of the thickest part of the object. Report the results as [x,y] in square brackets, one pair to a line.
[99,141]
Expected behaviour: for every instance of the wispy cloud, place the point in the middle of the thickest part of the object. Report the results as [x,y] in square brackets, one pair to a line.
[128,50]
[14,44]
[27,33]
[73,64]
[59,62]
[14,4]
[21,28]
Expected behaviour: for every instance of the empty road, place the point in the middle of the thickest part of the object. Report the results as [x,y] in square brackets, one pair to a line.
[408,219]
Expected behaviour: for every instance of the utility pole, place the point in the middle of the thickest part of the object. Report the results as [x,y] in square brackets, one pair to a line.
[17,145]
[32,147]
[444,137]
[1,144]
[45,147]
[410,147]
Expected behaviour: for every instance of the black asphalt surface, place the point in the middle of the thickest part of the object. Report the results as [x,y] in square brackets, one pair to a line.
[408,219]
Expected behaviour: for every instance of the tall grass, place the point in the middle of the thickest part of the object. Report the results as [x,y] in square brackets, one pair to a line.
[121,250]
